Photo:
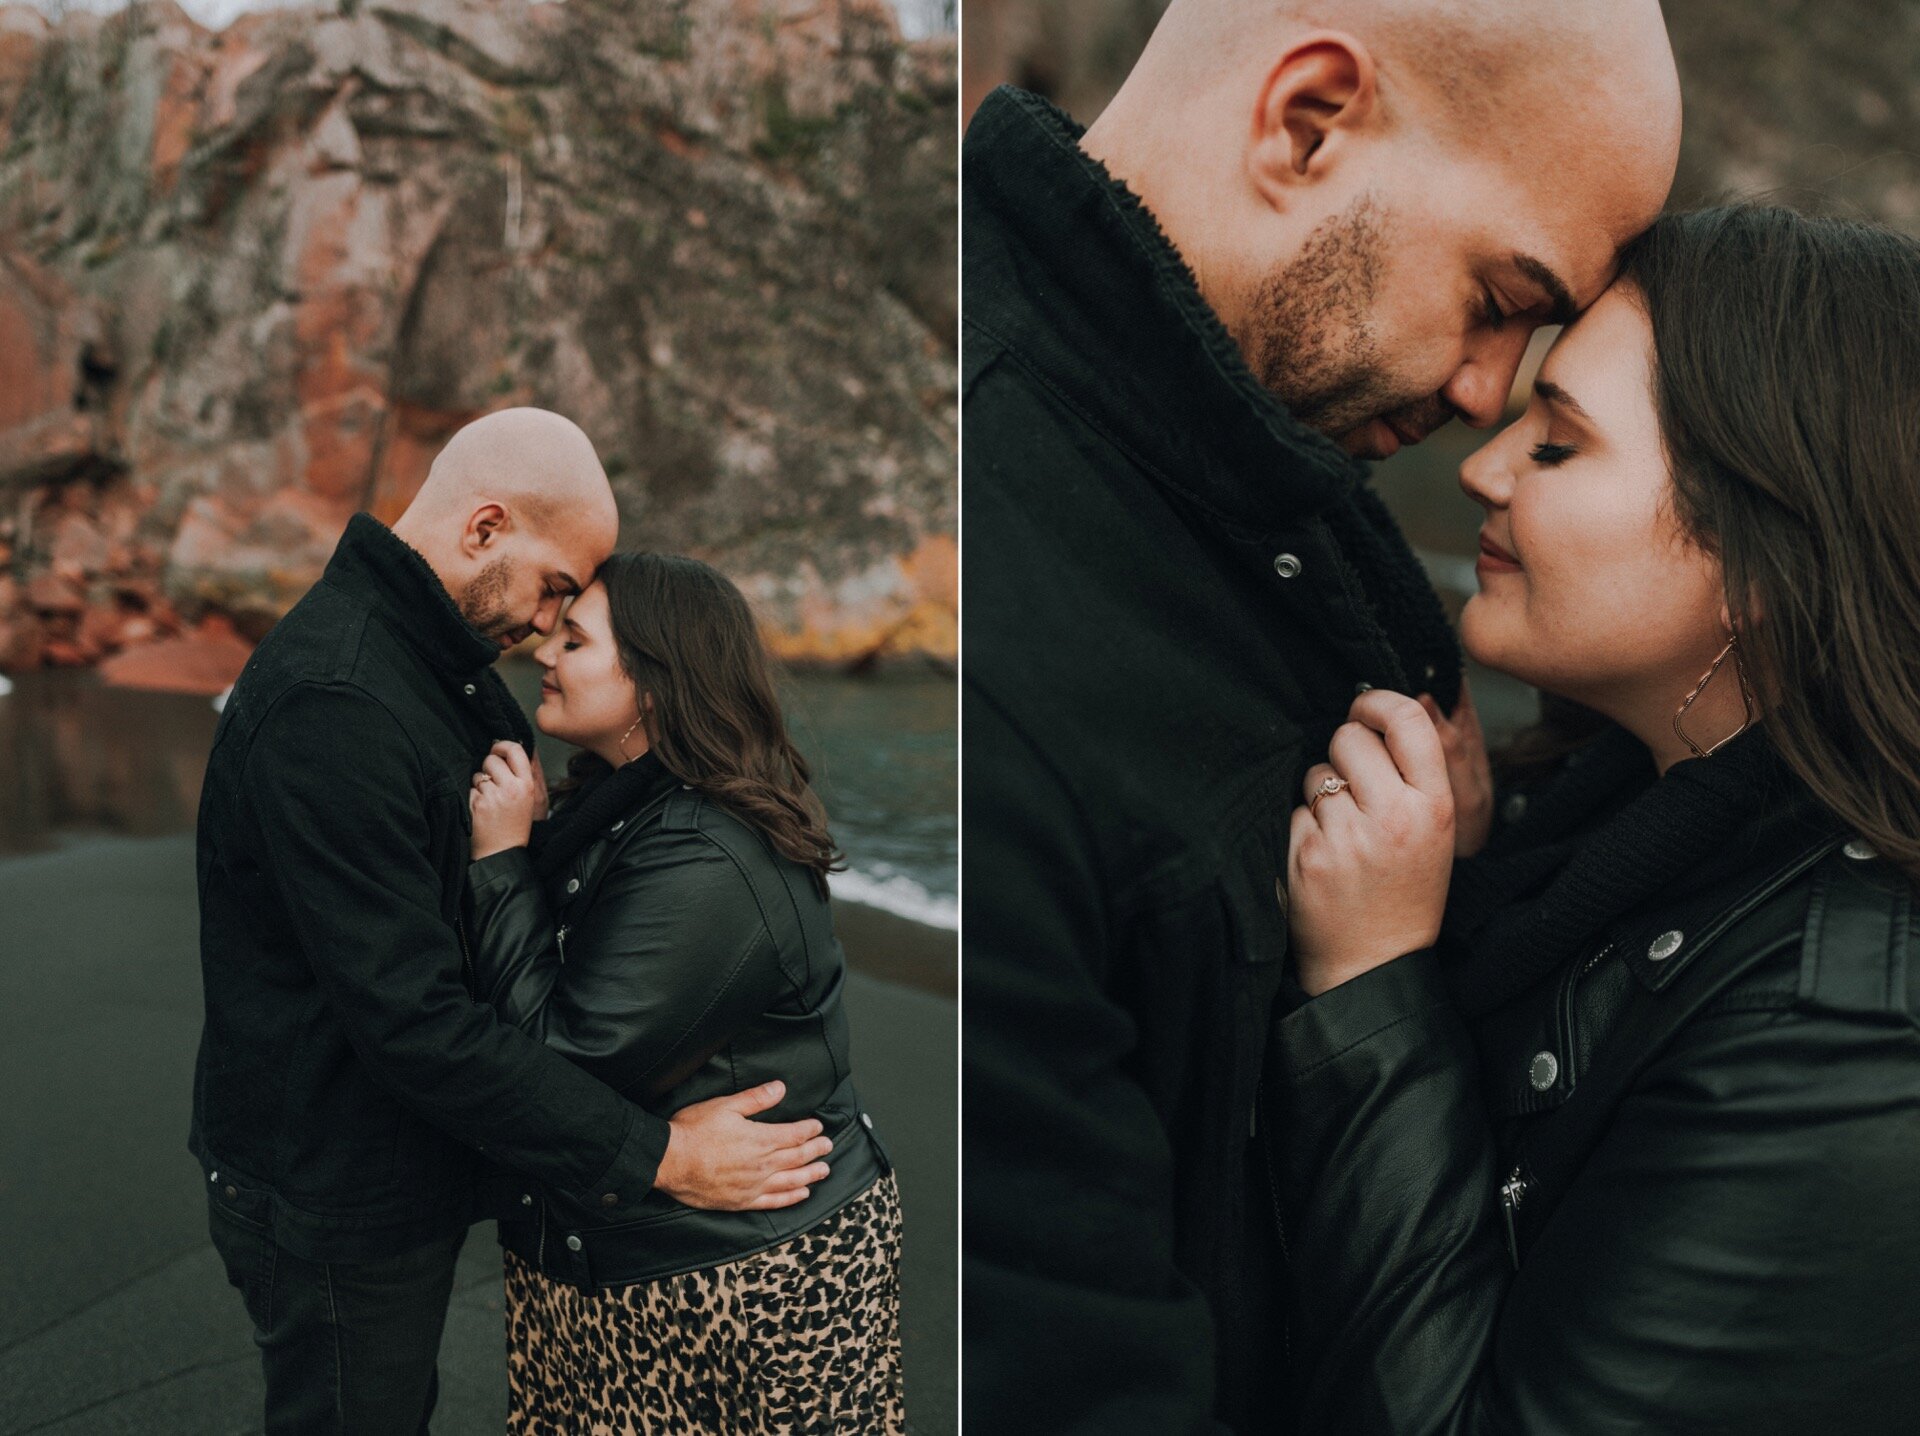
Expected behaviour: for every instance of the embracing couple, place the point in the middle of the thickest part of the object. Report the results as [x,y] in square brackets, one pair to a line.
[1325,1074]
[616,1027]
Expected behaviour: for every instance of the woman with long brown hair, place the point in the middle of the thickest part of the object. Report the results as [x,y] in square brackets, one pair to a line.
[1612,1124]
[668,928]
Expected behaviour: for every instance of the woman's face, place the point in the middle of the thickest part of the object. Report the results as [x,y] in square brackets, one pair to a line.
[586,697]
[1588,587]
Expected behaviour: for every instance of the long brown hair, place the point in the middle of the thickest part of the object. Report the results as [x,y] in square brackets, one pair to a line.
[687,639]
[1786,375]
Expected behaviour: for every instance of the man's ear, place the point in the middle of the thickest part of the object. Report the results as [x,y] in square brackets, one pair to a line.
[1316,97]
[484,525]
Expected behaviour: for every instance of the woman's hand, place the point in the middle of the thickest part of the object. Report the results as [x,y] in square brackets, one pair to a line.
[1368,867]
[1467,771]
[507,796]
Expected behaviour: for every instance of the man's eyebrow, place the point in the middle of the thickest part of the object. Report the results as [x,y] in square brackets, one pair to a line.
[1554,394]
[1560,299]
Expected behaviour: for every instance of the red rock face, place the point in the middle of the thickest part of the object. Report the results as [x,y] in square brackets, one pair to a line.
[251,281]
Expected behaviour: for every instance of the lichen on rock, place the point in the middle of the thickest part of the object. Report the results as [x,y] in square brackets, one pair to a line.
[251,280]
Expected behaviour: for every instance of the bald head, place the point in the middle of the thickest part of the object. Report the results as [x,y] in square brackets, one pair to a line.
[1379,197]
[533,459]
[515,515]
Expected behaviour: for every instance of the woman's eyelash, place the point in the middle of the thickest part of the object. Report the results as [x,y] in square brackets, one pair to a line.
[1550,453]
[568,646]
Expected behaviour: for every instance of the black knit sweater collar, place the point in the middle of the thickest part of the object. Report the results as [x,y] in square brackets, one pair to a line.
[1604,838]
[374,563]
[604,797]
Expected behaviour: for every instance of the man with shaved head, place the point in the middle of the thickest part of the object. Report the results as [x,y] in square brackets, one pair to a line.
[352,1088]
[1303,234]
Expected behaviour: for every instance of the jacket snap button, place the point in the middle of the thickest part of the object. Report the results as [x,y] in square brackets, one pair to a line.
[1286,565]
[618,826]
[1542,1070]
[469,690]
[526,1199]
[1665,946]
[231,1191]
[1515,808]
[1860,850]
[573,885]
[573,1244]
[610,1199]
[1360,688]
[866,1121]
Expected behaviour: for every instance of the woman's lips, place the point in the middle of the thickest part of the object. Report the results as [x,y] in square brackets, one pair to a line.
[1494,559]
[547,690]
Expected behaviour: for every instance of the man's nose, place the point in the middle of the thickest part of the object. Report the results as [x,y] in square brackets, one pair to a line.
[1479,388]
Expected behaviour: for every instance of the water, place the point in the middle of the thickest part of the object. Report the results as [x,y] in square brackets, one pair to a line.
[885,763]
[84,759]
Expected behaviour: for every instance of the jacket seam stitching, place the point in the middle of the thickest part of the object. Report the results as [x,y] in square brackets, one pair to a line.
[1405,1017]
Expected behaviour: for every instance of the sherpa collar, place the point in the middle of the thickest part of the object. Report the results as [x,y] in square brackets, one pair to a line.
[374,563]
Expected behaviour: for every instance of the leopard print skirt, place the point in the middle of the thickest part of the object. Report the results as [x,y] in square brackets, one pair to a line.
[802,1337]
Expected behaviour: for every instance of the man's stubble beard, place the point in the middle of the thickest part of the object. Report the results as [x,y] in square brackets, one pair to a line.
[1310,339]
[484,603]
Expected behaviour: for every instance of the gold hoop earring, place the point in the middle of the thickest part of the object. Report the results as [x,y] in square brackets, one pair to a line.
[1746,702]
[622,744]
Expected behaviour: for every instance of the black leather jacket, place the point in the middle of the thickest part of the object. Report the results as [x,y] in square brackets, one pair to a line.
[1728,1087]
[676,956]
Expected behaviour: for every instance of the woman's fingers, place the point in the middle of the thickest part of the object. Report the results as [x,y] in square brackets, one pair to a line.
[1358,755]
[1323,812]
[1411,742]
[515,758]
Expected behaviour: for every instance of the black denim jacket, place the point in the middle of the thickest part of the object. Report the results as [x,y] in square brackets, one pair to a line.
[1172,591]
[346,1076]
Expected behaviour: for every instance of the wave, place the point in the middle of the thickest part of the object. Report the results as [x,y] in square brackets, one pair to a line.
[899,895]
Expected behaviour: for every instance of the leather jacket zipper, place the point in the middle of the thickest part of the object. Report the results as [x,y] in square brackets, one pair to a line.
[560,940]
[1512,1192]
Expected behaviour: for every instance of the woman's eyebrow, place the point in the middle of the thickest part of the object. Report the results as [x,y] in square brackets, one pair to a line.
[1554,394]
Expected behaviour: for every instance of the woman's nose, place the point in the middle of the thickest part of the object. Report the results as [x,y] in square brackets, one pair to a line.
[548,653]
[1486,477]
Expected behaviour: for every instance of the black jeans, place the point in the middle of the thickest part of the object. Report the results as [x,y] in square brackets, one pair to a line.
[349,1348]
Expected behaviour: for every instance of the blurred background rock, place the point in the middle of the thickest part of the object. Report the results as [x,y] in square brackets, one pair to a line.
[252,277]
[1815,103]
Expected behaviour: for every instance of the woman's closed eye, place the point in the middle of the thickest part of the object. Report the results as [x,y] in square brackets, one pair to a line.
[1548,453]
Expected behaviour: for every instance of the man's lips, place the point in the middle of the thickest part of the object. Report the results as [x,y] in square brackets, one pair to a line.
[1405,433]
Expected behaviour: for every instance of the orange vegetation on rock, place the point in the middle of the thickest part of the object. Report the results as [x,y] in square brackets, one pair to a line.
[205,660]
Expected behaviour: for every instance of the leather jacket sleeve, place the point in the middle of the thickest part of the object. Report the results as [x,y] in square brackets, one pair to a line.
[1736,1256]
[1077,1320]
[667,963]
[343,834]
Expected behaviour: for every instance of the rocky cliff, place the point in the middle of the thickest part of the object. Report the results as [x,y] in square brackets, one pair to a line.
[250,281]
